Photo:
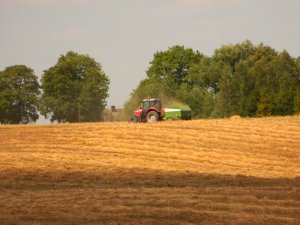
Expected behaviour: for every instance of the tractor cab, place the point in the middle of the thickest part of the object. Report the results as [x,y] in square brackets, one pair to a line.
[151,103]
[150,111]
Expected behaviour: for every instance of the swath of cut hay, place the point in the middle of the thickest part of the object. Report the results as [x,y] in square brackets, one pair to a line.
[219,171]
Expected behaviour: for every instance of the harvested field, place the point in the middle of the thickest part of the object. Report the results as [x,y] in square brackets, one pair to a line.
[226,171]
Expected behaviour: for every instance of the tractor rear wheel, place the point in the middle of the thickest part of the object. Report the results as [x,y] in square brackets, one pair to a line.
[152,116]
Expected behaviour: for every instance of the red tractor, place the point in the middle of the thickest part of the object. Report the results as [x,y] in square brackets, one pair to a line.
[149,111]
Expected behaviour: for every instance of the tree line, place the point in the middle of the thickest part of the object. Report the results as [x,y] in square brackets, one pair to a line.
[242,79]
[73,90]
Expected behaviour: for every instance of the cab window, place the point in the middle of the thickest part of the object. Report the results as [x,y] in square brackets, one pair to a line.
[146,105]
[158,104]
[151,104]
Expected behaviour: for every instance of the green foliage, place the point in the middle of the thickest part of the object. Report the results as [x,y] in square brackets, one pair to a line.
[147,88]
[199,99]
[172,67]
[264,71]
[74,89]
[226,101]
[264,106]
[241,79]
[19,95]
[297,102]
[297,61]
[231,55]
[297,89]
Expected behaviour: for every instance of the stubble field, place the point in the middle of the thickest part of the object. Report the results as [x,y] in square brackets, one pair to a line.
[226,171]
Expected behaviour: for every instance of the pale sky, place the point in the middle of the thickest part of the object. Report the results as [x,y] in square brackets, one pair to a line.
[123,35]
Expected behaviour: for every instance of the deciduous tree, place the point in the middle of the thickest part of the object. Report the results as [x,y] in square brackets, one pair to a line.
[75,89]
[172,67]
[19,95]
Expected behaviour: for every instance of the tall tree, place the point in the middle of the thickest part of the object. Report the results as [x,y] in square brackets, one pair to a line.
[232,54]
[297,92]
[19,95]
[74,90]
[264,83]
[172,67]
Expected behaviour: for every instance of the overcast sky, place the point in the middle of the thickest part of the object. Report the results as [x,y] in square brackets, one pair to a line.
[124,34]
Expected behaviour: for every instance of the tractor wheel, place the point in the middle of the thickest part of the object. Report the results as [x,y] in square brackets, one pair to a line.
[152,116]
[133,119]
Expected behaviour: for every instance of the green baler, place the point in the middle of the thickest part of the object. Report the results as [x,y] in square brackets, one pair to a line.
[176,114]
